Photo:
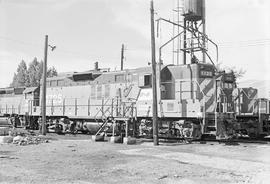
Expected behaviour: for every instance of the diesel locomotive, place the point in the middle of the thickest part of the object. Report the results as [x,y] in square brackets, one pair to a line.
[193,99]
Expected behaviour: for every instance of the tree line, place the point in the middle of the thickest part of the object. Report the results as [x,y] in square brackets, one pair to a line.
[30,76]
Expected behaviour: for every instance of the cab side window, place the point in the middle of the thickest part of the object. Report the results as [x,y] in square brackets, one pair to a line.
[145,80]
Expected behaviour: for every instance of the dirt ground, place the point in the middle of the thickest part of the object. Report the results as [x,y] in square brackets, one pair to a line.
[77,159]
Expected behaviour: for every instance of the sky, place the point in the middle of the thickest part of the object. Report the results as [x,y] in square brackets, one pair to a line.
[87,31]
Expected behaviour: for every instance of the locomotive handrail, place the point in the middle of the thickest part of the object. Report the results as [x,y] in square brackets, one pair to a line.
[127,108]
[103,104]
[197,85]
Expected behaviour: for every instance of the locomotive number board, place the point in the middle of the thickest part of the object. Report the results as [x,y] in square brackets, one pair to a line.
[205,73]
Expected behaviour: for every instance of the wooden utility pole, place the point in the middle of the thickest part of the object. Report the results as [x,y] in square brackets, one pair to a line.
[44,87]
[122,57]
[154,82]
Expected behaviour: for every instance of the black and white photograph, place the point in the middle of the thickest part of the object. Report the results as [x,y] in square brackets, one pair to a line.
[135,91]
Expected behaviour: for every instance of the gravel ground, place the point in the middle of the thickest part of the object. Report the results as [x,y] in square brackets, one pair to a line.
[76,159]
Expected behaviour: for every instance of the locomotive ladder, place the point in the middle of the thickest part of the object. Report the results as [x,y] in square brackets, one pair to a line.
[105,119]
[127,112]
[102,127]
[102,111]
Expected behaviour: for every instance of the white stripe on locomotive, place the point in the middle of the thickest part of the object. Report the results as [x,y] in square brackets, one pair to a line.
[207,87]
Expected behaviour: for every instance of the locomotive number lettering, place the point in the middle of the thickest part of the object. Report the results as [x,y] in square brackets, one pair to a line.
[206,73]
[57,98]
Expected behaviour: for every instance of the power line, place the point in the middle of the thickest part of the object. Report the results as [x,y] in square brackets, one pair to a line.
[74,53]
[246,43]
[243,43]
[20,41]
